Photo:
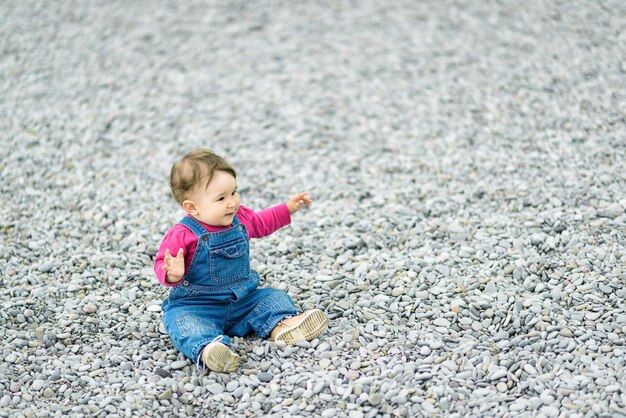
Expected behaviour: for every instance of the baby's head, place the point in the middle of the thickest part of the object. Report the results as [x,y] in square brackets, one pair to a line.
[190,179]
[196,169]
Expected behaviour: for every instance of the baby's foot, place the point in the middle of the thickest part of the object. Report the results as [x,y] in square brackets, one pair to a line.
[306,326]
[219,358]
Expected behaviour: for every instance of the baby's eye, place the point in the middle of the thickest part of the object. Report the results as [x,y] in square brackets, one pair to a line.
[235,192]
[220,199]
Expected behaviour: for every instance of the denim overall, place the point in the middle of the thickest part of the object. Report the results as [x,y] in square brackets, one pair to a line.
[219,295]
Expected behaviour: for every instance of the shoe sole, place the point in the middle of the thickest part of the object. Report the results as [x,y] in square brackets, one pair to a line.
[221,359]
[312,326]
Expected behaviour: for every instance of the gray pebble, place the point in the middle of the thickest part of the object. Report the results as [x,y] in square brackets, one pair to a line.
[265,377]
[37,385]
[550,411]
[441,322]
[176,365]
[215,388]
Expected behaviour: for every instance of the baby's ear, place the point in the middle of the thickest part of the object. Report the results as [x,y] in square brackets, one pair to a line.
[190,207]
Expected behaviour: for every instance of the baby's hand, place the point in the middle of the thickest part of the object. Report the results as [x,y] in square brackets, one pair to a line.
[295,202]
[174,266]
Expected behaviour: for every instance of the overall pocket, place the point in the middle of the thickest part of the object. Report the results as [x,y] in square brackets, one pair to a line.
[229,262]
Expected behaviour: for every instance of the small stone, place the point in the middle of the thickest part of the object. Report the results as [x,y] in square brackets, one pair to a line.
[161,372]
[501,335]
[518,406]
[375,399]
[324,363]
[565,332]
[179,364]
[537,239]
[528,368]
[361,270]
[37,385]
[614,210]
[303,344]
[498,374]
[490,288]
[352,374]
[265,377]
[502,387]
[397,291]
[428,407]
[329,413]
[355,365]
[441,322]
[165,395]
[612,388]
[323,347]
[215,388]
[550,411]
[372,346]
[455,228]
[46,267]
[422,294]
[90,308]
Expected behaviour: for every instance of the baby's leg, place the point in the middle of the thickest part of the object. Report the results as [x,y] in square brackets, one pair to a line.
[193,327]
[260,312]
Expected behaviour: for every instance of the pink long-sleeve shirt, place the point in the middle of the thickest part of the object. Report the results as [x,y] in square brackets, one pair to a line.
[258,224]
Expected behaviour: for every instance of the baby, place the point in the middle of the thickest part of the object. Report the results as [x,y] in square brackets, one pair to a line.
[205,259]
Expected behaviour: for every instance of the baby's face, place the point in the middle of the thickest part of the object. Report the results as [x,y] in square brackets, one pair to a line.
[217,203]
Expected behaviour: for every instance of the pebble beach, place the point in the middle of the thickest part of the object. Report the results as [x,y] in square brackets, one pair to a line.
[467,238]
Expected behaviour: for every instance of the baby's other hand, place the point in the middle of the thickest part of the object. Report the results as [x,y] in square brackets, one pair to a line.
[174,266]
[296,201]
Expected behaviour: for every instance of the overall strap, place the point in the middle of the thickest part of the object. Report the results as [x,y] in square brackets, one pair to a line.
[198,229]
[194,225]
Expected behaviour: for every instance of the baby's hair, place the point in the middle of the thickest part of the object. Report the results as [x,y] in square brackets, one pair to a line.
[196,168]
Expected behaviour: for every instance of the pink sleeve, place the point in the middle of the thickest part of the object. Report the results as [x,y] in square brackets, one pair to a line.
[177,237]
[264,222]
